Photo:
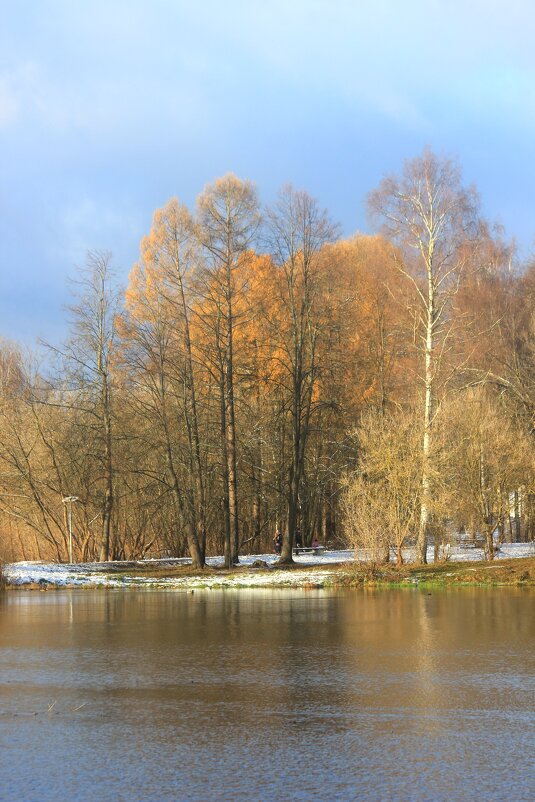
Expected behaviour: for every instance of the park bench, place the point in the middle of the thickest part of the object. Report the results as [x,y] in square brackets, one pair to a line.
[477,543]
[309,549]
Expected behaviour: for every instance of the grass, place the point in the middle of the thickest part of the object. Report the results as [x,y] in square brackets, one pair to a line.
[512,572]
[517,571]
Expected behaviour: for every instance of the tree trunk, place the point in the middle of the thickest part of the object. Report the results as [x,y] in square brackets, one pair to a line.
[225,477]
[197,559]
[196,442]
[518,529]
[232,477]
[294,477]
[421,547]
[108,498]
[230,423]
[489,542]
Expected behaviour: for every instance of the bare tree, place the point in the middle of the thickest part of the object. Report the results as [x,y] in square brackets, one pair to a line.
[381,500]
[158,354]
[227,221]
[297,230]
[430,217]
[490,456]
[88,366]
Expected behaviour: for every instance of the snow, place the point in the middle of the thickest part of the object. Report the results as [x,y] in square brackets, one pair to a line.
[97,574]
[94,574]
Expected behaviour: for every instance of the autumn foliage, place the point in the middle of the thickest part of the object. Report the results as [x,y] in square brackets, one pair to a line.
[261,373]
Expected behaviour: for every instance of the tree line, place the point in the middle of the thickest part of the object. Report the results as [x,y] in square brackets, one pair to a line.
[260,373]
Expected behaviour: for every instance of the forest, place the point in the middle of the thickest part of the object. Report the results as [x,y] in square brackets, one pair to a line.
[261,373]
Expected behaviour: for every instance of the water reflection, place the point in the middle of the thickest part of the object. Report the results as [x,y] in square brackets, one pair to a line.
[266,695]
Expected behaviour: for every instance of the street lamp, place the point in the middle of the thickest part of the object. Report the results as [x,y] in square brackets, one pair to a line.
[68,501]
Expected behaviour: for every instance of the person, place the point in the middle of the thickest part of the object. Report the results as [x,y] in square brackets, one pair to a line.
[315,543]
[298,538]
[277,542]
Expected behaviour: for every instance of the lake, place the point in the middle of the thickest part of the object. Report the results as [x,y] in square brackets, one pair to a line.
[267,695]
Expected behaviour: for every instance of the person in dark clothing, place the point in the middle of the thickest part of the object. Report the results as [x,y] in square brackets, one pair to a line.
[298,538]
[277,542]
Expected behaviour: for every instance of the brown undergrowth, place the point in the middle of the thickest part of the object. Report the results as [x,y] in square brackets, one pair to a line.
[517,571]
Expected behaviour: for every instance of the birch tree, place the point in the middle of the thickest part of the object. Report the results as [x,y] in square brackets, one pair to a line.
[430,217]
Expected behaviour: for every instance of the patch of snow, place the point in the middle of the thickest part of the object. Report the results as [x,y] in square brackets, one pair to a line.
[33,572]
[303,559]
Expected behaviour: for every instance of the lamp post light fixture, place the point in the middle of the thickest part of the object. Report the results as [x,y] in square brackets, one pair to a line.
[68,501]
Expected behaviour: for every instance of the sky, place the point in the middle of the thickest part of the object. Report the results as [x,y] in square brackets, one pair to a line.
[110,107]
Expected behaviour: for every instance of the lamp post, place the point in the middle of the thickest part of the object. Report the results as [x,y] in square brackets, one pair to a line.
[68,501]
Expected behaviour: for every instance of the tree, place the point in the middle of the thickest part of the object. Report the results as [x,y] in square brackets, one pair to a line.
[297,230]
[490,456]
[88,360]
[227,221]
[381,500]
[157,349]
[430,217]
[28,492]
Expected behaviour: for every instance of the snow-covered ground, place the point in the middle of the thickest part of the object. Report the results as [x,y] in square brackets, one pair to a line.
[24,573]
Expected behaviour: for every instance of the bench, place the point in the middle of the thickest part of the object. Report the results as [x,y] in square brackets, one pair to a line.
[309,549]
[479,543]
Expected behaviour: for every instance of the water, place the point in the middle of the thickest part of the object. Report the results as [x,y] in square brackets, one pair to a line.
[283,695]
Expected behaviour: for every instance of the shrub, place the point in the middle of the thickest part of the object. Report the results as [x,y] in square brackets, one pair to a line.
[381,500]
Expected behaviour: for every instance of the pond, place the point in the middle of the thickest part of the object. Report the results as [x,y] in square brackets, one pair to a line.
[267,695]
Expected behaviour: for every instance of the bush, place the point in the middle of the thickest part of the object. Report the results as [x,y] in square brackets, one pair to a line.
[381,500]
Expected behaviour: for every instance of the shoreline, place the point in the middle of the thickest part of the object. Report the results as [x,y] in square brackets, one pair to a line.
[508,572]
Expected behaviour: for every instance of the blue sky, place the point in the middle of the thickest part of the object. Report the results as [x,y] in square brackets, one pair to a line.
[110,107]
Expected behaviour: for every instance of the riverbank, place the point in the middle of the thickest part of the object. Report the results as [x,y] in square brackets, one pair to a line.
[514,567]
[508,572]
